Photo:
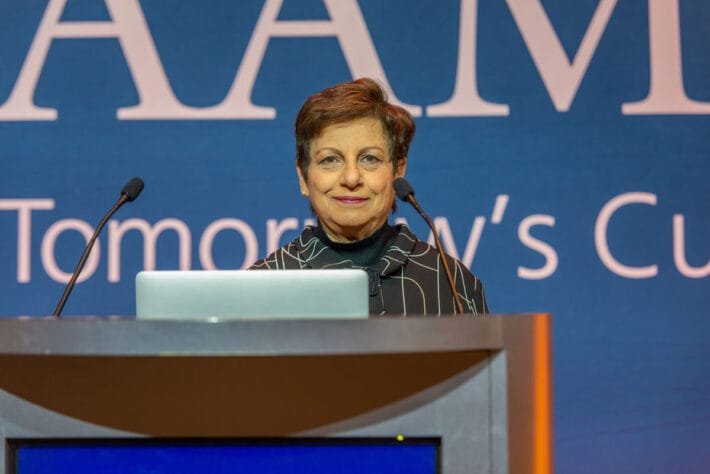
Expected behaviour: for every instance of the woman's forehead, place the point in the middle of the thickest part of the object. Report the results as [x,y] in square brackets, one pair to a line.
[364,131]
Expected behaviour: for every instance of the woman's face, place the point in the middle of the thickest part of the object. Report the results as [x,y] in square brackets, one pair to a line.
[350,178]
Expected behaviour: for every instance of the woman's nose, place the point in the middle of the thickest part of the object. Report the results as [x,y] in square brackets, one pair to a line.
[351,176]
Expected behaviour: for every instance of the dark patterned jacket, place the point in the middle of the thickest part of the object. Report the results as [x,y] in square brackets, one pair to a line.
[408,279]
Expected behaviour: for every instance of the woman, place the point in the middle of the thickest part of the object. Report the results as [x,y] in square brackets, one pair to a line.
[351,144]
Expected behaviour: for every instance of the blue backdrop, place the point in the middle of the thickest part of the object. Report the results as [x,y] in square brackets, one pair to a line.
[561,145]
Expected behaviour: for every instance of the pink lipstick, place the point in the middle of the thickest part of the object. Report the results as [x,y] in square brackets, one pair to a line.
[350,199]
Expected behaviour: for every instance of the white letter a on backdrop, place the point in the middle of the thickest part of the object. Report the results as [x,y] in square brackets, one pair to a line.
[346,24]
[128,25]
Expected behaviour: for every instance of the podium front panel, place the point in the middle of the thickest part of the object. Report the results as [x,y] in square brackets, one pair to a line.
[452,379]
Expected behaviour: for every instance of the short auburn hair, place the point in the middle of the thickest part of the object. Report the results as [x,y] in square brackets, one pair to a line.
[350,101]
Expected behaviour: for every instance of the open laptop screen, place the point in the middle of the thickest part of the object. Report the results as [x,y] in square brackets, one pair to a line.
[249,294]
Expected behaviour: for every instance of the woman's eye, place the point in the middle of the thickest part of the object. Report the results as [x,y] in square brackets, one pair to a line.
[329,161]
[370,161]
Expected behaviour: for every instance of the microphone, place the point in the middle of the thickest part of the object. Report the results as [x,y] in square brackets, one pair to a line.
[405,192]
[129,193]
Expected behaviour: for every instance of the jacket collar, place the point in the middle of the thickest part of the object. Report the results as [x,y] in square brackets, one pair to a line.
[316,254]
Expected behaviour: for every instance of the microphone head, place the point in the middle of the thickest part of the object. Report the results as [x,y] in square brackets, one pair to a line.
[403,189]
[133,188]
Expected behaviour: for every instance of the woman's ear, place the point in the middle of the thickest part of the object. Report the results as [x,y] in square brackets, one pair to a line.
[401,168]
[302,184]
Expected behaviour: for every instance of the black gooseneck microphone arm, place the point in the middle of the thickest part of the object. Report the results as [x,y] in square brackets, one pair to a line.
[405,192]
[129,192]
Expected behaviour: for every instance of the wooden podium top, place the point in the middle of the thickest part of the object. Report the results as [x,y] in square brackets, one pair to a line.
[125,336]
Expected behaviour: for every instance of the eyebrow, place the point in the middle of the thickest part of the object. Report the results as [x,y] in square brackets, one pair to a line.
[361,150]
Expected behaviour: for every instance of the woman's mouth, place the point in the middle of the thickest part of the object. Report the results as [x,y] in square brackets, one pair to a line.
[350,199]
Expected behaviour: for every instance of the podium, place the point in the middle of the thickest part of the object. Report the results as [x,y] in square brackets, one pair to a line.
[479,384]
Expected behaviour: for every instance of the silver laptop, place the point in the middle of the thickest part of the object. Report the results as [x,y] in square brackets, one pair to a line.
[251,294]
